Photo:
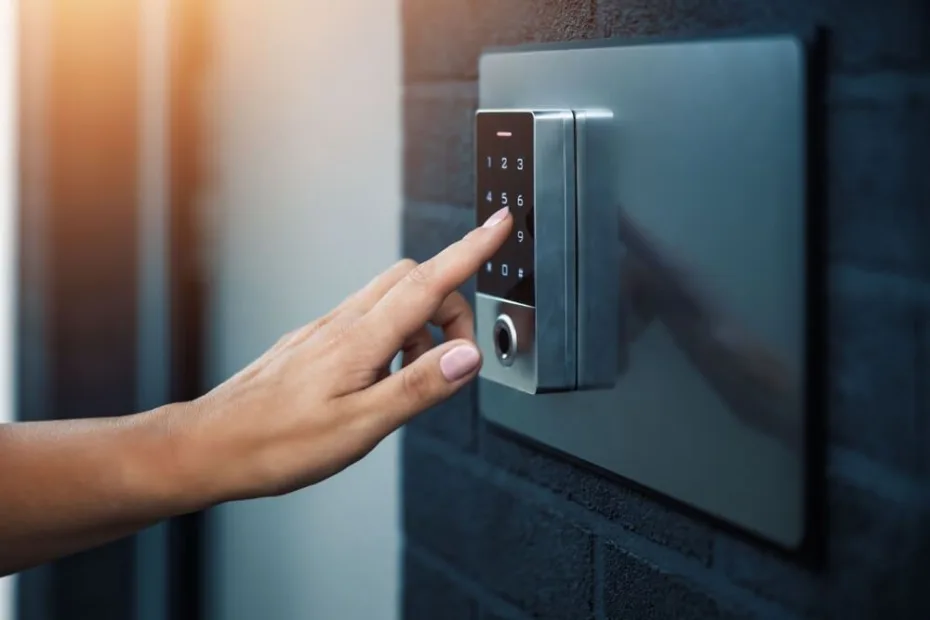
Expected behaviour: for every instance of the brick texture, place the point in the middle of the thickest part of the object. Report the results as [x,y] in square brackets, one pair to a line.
[880,556]
[923,376]
[874,322]
[436,595]
[490,615]
[524,553]
[523,534]
[639,589]
[438,145]
[452,420]
[611,499]
[885,204]
[443,38]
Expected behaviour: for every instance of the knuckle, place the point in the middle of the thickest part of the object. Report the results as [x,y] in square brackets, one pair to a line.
[422,274]
[342,328]
[417,384]
[405,264]
[345,329]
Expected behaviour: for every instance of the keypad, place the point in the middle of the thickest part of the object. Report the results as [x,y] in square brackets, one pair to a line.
[505,178]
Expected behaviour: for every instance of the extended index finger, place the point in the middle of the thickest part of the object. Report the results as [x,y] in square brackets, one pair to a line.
[413,301]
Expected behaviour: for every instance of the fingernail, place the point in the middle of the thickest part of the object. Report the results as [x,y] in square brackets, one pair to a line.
[459,362]
[497,218]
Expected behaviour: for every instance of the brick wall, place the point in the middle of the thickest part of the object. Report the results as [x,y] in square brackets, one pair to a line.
[496,530]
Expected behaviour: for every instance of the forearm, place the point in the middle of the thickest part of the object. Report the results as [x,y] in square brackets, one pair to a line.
[66,486]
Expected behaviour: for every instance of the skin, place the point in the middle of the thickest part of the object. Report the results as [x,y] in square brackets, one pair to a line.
[316,402]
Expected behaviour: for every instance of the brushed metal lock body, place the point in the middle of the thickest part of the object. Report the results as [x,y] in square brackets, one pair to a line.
[537,325]
[702,171]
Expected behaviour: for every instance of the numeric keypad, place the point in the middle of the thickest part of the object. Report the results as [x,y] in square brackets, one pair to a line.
[505,178]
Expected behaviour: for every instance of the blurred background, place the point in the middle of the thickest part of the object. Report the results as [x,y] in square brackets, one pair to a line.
[182,182]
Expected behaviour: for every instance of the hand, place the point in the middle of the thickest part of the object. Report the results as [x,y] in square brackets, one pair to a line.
[323,396]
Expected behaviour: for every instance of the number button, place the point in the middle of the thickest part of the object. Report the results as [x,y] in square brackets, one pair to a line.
[490,197]
[520,163]
[519,200]
[504,269]
[503,163]
[519,236]
[504,201]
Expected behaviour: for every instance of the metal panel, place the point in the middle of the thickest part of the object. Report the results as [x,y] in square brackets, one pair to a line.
[708,160]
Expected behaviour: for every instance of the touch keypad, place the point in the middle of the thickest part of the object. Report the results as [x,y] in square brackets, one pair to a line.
[506,178]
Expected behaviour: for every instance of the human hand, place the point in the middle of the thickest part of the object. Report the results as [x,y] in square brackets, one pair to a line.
[323,396]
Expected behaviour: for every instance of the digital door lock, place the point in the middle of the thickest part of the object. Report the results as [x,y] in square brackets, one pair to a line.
[547,303]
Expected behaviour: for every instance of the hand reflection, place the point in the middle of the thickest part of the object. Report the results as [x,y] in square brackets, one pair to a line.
[749,377]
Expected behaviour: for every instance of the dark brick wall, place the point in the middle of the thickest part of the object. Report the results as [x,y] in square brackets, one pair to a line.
[497,530]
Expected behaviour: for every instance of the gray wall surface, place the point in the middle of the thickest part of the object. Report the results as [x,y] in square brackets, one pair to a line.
[305,209]
[495,529]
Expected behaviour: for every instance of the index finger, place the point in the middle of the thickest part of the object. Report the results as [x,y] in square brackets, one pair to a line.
[413,301]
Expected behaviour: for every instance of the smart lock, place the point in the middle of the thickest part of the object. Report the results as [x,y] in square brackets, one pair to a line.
[546,304]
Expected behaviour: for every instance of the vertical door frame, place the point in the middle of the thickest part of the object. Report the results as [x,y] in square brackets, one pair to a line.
[189,67]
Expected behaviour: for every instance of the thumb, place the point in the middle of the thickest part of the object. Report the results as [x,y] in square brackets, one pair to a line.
[432,378]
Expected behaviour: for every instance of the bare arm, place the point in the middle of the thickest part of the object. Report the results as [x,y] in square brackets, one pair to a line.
[313,404]
[69,485]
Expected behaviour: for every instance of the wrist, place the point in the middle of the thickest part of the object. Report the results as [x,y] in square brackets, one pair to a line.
[190,479]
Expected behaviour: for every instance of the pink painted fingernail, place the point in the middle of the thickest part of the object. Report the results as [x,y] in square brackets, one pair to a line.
[496,218]
[459,362]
